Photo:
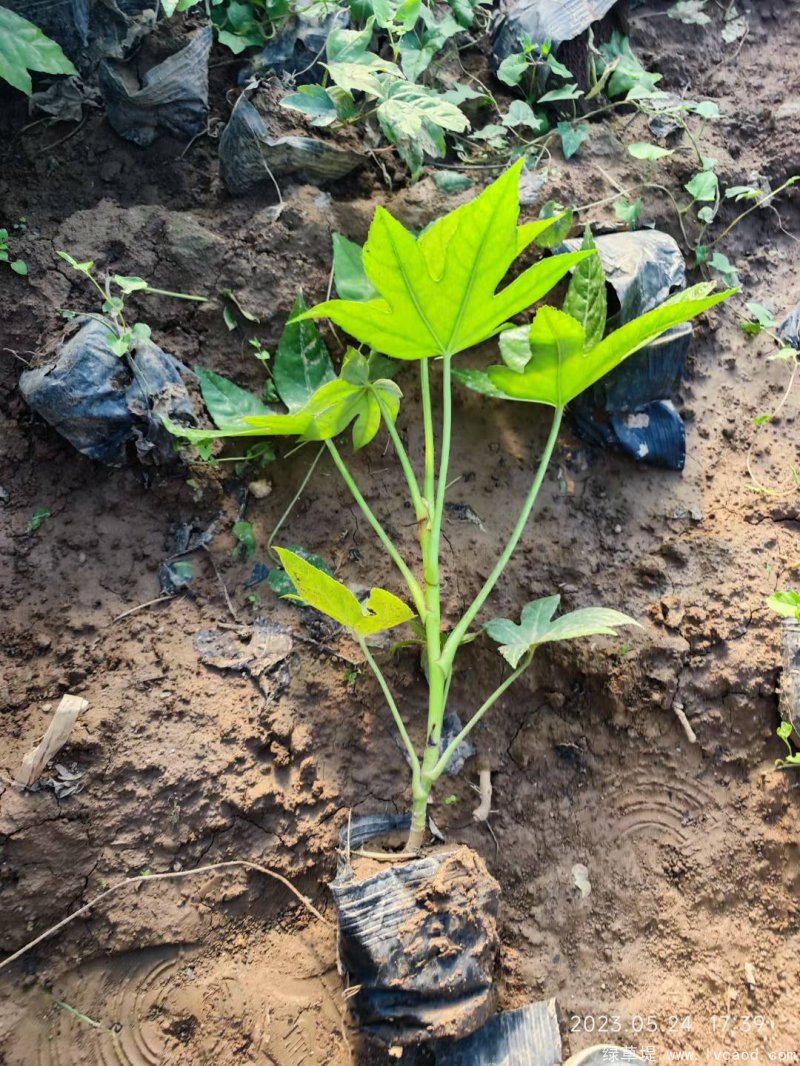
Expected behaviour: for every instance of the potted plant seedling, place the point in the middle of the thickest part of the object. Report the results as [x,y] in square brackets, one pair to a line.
[425,299]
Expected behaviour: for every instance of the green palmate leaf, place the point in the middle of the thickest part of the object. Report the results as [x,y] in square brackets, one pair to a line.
[381,611]
[787,603]
[228,404]
[628,212]
[353,397]
[586,300]
[561,368]
[538,627]
[23,47]
[350,46]
[280,582]
[302,362]
[521,113]
[564,92]
[438,291]
[349,276]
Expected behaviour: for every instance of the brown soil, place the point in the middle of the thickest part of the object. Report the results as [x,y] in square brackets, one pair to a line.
[692,850]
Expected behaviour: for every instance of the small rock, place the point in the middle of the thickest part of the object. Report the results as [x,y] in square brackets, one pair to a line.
[789,109]
[259,490]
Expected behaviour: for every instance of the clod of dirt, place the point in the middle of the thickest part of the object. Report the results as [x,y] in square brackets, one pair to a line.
[253,649]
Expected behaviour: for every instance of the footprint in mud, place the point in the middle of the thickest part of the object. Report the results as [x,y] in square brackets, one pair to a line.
[177,1005]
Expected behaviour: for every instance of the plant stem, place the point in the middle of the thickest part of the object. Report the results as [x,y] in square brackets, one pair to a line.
[295,498]
[177,295]
[451,748]
[455,638]
[398,720]
[420,507]
[429,485]
[411,582]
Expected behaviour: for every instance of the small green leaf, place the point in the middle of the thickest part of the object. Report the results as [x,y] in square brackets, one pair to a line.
[479,381]
[302,361]
[786,604]
[743,192]
[628,212]
[37,518]
[723,265]
[572,137]
[785,730]
[563,92]
[280,582]
[703,186]
[451,182]
[381,611]
[520,113]
[538,627]
[19,266]
[691,12]
[512,69]
[129,284]
[559,230]
[314,102]
[83,268]
[245,538]
[227,403]
[763,316]
[229,318]
[349,276]
[642,150]
[586,299]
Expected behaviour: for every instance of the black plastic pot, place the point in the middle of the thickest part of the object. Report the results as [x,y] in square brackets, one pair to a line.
[630,409]
[418,939]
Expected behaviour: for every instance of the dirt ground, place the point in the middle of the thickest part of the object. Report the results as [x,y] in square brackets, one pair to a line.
[692,850]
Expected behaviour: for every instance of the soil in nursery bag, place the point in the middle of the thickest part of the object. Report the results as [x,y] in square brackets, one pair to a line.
[419,939]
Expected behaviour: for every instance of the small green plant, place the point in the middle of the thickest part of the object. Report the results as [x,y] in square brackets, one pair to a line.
[245,540]
[433,296]
[37,519]
[19,266]
[23,48]
[113,290]
[413,117]
[792,760]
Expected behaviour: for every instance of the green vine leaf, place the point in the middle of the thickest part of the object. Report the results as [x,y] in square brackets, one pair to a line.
[786,604]
[227,403]
[538,627]
[438,291]
[586,300]
[24,47]
[302,362]
[382,610]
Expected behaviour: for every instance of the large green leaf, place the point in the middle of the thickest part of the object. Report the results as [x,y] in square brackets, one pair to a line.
[382,610]
[561,369]
[24,47]
[586,300]
[537,627]
[438,291]
[228,403]
[302,362]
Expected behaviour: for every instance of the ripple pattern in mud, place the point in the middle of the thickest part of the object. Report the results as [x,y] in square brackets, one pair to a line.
[666,809]
[174,1005]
